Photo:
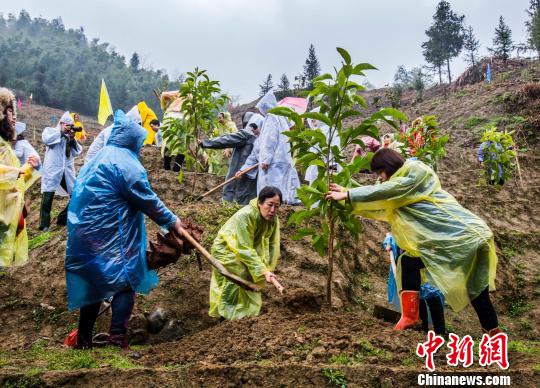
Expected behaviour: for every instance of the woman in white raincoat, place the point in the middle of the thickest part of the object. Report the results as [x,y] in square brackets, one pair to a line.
[276,166]
[103,137]
[23,148]
[58,168]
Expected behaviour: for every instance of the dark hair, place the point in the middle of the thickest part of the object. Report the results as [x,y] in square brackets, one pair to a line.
[254,126]
[6,130]
[244,122]
[270,192]
[154,122]
[386,160]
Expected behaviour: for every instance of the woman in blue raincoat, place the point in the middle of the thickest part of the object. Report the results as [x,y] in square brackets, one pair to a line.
[106,247]
[455,246]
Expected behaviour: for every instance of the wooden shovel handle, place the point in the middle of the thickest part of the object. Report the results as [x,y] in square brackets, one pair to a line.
[227,181]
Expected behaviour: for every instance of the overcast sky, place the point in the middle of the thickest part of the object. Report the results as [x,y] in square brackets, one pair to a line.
[241,41]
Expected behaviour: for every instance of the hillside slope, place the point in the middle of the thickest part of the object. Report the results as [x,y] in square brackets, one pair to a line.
[295,337]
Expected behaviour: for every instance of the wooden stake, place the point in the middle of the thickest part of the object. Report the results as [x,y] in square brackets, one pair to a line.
[224,183]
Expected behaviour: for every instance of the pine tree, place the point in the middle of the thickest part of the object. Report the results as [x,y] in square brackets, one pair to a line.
[502,42]
[134,62]
[533,26]
[445,38]
[284,85]
[312,68]
[266,86]
[471,46]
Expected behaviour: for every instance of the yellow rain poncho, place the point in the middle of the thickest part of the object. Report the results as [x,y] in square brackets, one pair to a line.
[13,245]
[79,135]
[456,246]
[147,115]
[217,163]
[248,246]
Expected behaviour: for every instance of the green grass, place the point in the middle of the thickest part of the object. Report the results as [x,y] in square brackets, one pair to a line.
[474,121]
[40,358]
[517,305]
[39,240]
[334,377]
[527,347]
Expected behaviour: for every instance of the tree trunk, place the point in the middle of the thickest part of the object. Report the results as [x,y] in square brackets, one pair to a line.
[330,255]
[440,74]
[448,68]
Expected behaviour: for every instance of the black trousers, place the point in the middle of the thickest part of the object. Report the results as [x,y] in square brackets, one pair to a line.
[121,306]
[46,207]
[411,280]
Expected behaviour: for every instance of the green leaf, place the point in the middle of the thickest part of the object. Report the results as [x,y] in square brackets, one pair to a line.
[358,69]
[322,77]
[344,54]
[318,116]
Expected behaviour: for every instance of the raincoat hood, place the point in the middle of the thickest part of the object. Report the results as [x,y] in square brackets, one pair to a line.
[126,133]
[256,119]
[245,119]
[267,102]
[20,127]
[66,119]
[134,114]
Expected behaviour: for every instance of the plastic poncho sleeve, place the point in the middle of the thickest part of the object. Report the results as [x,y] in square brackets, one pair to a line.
[252,160]
[392,194]
[140,195]
[230,140]
[244,249]
[51,136]
[8,177]
[76,148]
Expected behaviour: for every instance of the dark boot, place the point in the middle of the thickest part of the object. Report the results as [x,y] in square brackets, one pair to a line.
[119,340]
[436,309]
[45,212]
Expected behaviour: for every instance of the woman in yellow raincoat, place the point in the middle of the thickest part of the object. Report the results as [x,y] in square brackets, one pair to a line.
[14,181]
[455,246]
[248,246]
[147,115]
[81,135]
[218,159]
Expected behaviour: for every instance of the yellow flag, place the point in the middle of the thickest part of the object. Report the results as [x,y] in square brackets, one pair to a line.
[105,108]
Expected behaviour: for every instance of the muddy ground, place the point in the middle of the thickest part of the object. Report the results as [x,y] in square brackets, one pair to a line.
[297,340]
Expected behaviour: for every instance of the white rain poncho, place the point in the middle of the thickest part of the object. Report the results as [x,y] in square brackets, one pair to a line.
[455,245]
[312,172]
[98,143]
[23,149]
[103,137]
[275,150]
[56,164]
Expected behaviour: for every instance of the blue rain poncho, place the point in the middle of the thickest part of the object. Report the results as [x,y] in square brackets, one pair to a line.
[275,150]
[456,246]
[106,247]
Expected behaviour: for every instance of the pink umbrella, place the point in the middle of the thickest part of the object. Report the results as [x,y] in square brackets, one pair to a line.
[298,104]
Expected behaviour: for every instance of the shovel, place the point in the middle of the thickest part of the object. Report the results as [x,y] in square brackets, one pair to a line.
[223,271]
[227,181]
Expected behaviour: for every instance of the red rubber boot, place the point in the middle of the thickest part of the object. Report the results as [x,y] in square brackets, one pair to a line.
[410,309]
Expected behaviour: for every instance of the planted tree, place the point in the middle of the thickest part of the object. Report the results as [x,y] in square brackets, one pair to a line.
[202,99]
[423,140]
[502,42]
[336,95]
[499,155]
